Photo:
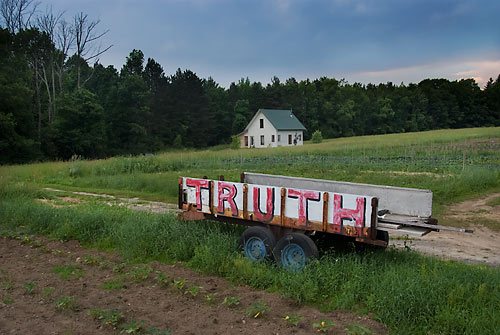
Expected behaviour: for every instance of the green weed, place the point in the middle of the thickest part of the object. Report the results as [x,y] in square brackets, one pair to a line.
[210,298]
[230,301]
[68,271]
[119,268]
[140,273]
[155,331]
[66,303]
[107,317]
[179,283]
[293,319]
[193,290]
[257,309]
[26,239]
[162,279]
[132,327]
[7,300]
[357,329]
[91,260]
[323,325]
[30,287]
[114,284]
[8,285]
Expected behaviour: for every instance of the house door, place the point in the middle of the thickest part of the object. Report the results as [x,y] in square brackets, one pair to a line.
[246,141]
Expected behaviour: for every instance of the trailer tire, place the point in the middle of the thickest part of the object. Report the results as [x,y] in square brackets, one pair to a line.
[257,243]
[293,251]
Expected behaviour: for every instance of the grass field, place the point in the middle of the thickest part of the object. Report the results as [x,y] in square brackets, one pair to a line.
[408,292]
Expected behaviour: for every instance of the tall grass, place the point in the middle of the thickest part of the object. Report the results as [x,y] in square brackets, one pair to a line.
[454,164]
[408,292]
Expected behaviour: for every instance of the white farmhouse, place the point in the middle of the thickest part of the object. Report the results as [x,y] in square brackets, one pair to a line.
[272,128]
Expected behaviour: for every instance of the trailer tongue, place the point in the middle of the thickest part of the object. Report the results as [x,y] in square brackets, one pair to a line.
[290,209]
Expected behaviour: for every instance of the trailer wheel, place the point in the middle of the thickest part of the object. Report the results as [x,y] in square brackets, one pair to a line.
[257,243]
[383,235]
[294,250]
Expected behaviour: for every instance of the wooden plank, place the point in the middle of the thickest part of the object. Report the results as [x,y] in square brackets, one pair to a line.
[420,223]
[438,227]
[389,225]
[181,191]
[325,211]
[417,231]
[373,228]
[245,202]
[211,194]
[282,210]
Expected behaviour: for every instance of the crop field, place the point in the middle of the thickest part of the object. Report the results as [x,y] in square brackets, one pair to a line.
[396,291]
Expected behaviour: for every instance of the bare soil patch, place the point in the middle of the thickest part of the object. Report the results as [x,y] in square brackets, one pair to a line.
[26,262]
[475,210]
[132,203]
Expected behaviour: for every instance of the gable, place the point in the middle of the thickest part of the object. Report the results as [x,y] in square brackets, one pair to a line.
[280,119]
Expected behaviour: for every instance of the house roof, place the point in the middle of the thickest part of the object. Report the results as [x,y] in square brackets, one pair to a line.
[282,119]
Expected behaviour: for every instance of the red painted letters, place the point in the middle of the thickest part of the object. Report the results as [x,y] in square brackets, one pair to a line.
[303,197]
[269,204]
[229,197]
[339,213]
[198,184]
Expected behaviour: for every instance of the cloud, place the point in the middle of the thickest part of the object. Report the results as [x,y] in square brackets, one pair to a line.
[478,69]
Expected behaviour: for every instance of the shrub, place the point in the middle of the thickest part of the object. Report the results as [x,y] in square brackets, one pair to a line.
[235,142]
[317,137]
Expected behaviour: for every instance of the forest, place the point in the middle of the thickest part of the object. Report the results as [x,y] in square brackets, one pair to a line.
[57,100]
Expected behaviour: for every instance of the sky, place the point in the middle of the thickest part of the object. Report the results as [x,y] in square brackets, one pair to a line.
[365,41]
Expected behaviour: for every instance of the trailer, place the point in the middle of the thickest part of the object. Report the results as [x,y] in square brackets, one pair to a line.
[283,213]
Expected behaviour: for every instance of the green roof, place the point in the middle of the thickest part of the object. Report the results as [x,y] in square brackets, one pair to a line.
[282,119]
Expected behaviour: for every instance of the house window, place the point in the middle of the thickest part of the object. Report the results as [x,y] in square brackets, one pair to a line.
[272,138]
[279,138]
[251,141]
[290,139]
[261,139]
[300,137]
[262,123]
[246,141]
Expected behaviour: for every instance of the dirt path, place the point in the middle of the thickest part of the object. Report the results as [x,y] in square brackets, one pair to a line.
[37,300]
[132,203]
[482,246]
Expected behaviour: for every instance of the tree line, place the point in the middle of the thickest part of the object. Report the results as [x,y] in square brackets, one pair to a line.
[54,105]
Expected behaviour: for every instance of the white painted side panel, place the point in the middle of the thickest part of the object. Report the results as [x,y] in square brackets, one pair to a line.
[398,200]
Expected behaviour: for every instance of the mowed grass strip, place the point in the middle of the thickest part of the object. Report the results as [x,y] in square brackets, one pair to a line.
[408,292]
